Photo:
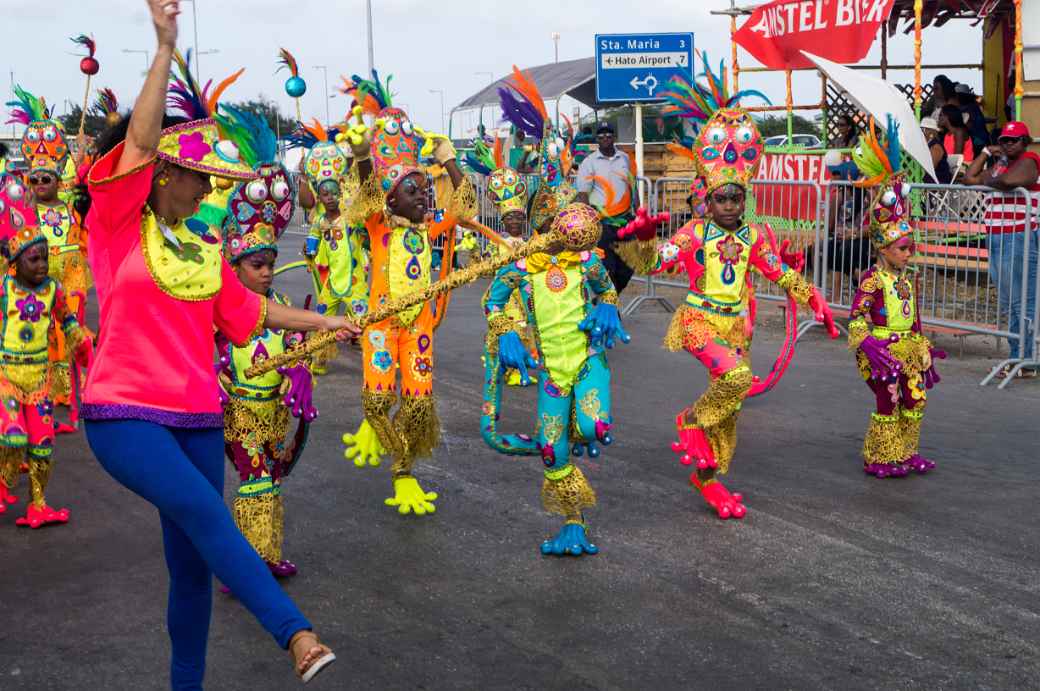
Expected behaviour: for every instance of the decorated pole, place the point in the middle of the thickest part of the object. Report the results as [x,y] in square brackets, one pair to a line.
[294,85]
[918,9]
[1018,60]
[88,66]
[576,228]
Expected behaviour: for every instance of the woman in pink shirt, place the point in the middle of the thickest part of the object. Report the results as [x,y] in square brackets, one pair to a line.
[151,402]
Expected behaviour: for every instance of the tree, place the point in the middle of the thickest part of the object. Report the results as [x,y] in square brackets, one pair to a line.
[772,125]
[268,110]
[92,127]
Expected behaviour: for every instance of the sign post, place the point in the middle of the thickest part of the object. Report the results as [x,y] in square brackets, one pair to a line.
[633,68]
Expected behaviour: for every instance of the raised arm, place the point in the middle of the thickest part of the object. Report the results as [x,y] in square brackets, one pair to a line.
[142,137]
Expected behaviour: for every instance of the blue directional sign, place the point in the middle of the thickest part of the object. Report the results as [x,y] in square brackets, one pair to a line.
[635,67]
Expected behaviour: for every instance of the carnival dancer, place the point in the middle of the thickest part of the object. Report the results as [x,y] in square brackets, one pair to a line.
[155,422]
[257,410]
[340,255]
[34,306]
[718,255]
[507,191]
[46,153]
[893,355]
[393,205]
[571,306]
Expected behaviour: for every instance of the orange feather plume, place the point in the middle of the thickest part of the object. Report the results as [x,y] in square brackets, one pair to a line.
[524,85]
[317,129]
[500,159]
[211,102]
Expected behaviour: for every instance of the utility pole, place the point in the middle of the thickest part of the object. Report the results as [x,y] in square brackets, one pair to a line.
[325,70]
[368,24]
[556,45]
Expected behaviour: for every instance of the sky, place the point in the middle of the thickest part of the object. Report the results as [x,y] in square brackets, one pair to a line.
[447,45]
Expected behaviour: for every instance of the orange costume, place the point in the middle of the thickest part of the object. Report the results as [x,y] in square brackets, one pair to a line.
[401,263]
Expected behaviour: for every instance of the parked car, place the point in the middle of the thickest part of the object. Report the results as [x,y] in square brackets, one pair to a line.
[803,141]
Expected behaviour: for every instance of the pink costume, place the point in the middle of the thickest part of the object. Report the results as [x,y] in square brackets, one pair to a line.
[154,358]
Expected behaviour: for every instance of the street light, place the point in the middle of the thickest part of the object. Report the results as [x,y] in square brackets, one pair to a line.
[368,25]
[325,70]
[556,45]
[195,26]
[147,63]
[441,92]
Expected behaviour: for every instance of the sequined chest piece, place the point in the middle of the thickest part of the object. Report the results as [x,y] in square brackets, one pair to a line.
[899,300]
[408,266]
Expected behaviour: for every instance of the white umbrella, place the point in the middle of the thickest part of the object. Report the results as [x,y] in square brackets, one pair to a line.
[880,99]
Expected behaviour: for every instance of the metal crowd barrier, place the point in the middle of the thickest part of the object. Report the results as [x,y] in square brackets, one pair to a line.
[970,279]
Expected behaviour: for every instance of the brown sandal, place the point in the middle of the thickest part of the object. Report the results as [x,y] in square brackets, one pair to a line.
[315,658]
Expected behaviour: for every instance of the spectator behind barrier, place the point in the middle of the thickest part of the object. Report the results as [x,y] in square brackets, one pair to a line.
[1007,216]
[956,138]
[973,117]
[940,161]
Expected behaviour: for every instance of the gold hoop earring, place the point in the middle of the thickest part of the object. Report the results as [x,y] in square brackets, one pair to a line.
[163,181]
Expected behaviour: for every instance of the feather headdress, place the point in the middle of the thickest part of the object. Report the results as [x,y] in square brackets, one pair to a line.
[522,104]
[256,142]
[372,94]
[186,96]
[728,147]
[484,159]
[87,42]
[879,161]
[27,108]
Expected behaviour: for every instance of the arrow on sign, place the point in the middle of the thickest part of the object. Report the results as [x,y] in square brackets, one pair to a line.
[649,81]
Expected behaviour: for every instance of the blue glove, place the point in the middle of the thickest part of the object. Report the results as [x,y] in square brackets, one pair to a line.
[604,325]
[513,354]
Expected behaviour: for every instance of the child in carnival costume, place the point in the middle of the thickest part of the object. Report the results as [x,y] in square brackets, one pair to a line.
[333,247]
[893,355]
[718,255]
[257,410]
[571,306]
[33,307]
[46,153]
[393,207]
[507,191]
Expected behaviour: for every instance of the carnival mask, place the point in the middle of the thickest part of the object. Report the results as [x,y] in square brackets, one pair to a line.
[44,146]
[325,161]
[507,190]
[728,148]
[259,211]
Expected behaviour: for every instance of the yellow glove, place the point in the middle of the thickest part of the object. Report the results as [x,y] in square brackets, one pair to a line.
[437,145]
[358,136]
[409,497]
[363,446]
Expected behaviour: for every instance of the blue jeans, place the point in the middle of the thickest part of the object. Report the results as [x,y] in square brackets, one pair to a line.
[181,472]
[1005,270]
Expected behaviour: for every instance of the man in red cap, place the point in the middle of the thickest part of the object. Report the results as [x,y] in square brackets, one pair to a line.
[1008,217]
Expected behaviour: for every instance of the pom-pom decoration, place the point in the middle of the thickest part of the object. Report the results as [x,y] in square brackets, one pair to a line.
[107,106]
[88,65]
[295,86]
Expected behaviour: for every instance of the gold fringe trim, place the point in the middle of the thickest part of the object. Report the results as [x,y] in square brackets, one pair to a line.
[464,202]
[256,422]
[256,519]
[10,460]
[39,478]
[884,441]
[911,430]
[417,424]
[716,412]
[368,201]
[797,286]
[640,255]
[858,332]
[912,350]
[376,406]
[723,440]
[569,495]
[609,297]
[691,329]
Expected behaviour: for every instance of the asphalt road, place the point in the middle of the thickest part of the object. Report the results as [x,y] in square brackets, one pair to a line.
[833,581]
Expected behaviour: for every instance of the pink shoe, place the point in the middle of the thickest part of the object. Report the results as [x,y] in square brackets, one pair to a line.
[6,497]
[36,517]
[693,445]
[726,505]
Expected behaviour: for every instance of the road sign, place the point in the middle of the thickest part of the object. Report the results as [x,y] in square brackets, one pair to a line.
[635,67]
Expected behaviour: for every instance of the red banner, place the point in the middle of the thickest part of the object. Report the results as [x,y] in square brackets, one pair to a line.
[839,30]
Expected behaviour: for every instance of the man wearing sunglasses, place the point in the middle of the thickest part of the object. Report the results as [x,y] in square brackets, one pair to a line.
[1009,215]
